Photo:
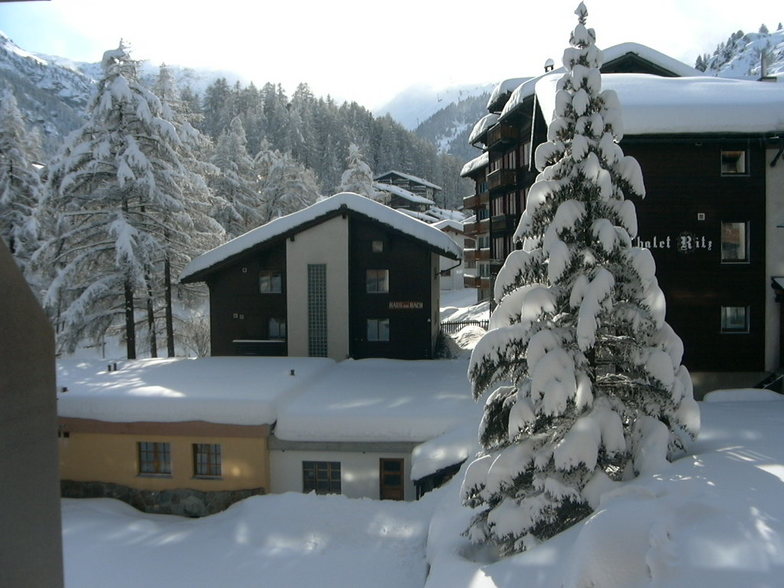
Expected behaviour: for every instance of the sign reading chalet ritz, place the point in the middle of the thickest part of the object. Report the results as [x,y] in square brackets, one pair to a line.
[346,277]
[684,243]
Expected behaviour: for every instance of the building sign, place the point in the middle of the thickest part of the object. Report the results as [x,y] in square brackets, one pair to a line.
[684,243]
[408,305]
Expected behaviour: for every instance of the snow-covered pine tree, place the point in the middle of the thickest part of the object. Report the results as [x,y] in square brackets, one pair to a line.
[284,185]
[21,189]
[587,384]
[203,232]
[358,177]
[117,204]
[234,181]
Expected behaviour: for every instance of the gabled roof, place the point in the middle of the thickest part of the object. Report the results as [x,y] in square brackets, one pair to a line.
[612,58]
[403,193]
[345,202]
[408,177]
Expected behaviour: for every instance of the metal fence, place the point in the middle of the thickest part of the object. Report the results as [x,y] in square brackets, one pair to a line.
[450,328]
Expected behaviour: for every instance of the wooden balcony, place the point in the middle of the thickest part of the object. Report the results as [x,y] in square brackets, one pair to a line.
[474,255]
[470,229]
[471,281]
[501,178]
[476,200]
[502,134]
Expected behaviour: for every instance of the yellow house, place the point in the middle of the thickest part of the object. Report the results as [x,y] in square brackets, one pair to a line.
[179,436]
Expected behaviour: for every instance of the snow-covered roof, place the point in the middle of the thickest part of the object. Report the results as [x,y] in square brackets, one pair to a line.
[228,390]
[504,87]
[409,177]
[284,225]
[658,105]
[527,88]
[381,400]
[445,450]
[652,55]
[402,192]
[481,126]
[475,164]
[449,223]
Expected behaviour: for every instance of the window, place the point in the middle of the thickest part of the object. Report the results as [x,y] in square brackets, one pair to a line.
[207,460]
[498,248]
[277,328]
[497,205]
[378,329]
[321,477]
[733,163]
[270,282]
[483,242]
[377,246]
[734,242]
[317,310]
[154,458]
[734,319]
[484,270]
[377,281]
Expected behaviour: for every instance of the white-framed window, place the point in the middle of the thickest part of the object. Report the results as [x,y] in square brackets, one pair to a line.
[734,242]
[377,281]
[734,162]
[277,328]
[321,477]
[734,319]
[270,281]
[378,329]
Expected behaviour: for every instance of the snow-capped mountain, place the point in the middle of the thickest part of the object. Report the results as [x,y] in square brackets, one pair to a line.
[415,105]
[50,95]
[450,127]
[53,92]
[743,54]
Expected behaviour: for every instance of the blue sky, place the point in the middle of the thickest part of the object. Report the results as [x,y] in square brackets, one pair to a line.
[356,50]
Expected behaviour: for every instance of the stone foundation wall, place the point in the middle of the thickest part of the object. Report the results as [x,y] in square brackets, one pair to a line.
[184,502]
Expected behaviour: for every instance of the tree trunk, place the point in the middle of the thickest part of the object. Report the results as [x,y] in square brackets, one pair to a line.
[151,321]
[130,323]
[169,313]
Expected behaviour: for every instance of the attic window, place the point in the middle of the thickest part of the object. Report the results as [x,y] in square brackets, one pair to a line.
[377,246]
[733,163]
[734,319]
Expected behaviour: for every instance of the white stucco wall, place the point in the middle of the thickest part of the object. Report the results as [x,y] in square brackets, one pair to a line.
[774,254]
[359,471]
[325,243]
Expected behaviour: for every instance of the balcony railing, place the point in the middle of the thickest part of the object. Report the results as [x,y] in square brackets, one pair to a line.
[502,134]
[501,178]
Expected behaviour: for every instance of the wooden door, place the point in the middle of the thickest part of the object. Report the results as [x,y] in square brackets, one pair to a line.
[391,477]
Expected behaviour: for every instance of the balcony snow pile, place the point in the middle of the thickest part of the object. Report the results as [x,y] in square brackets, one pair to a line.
[226,390]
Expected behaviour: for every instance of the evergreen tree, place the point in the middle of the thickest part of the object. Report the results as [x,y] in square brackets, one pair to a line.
[586,377]
[283,184]
[118,210]
[234,181]
[21,190]
[358,176]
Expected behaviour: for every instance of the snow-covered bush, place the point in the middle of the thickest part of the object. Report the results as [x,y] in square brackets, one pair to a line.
[585,377]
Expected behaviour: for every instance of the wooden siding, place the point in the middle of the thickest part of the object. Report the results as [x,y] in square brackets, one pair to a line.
[239,312]
[684,184]
[408,302]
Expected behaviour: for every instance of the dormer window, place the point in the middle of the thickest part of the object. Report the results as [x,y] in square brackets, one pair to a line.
[733,163]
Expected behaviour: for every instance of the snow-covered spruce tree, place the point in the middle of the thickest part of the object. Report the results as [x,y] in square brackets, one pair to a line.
[587,386]
[118,209]
[358,177]
[234,181]
[21,189]
[283,184]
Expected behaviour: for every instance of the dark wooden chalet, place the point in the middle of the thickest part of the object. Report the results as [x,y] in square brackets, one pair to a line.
[708,149]
[413,184]
[346,277]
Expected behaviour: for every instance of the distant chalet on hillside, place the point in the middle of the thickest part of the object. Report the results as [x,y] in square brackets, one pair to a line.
[345,277]
[407,191]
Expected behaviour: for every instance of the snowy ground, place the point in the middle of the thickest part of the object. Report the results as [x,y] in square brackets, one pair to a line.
[714,518]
